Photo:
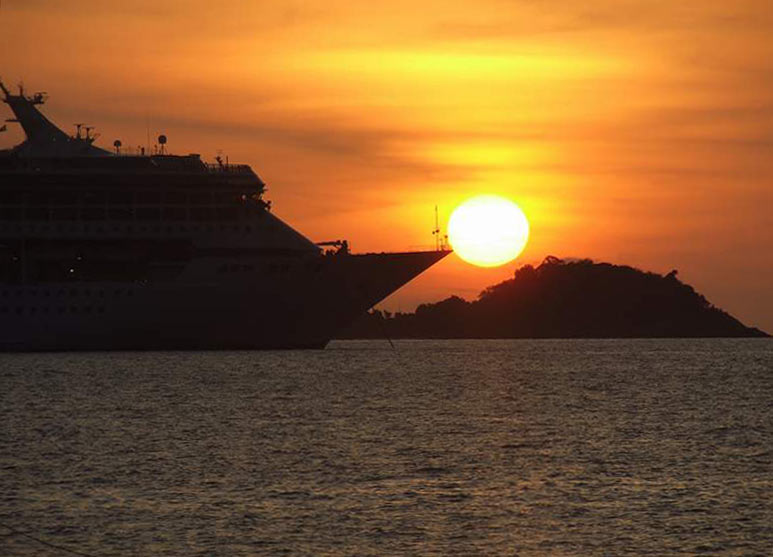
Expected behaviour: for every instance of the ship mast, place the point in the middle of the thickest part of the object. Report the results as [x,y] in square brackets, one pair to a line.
[436,231]
[441,242]
[43,137]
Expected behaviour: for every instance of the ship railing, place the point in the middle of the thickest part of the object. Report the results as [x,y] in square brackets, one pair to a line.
[228,168]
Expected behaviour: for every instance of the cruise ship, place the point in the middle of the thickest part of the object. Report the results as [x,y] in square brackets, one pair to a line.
[106,250]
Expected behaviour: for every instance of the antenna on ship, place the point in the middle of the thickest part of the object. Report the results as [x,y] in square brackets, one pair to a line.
[441,242]
[162,143]
[147,133]
[436,231]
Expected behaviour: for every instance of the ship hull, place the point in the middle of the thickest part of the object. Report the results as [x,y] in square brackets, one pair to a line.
[268,303]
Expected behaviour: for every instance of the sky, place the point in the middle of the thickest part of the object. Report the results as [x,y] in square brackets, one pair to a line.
[633,132]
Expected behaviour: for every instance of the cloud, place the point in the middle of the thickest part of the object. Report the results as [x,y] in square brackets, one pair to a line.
[508,20]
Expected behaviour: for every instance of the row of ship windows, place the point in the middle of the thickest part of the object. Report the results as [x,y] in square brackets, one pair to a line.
[45,310]
[139,214]
[235,268]
[272,268]
[70,198]
[169,229]
[72,292]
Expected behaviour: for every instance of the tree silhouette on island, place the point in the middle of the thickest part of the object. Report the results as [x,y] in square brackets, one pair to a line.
[565,299]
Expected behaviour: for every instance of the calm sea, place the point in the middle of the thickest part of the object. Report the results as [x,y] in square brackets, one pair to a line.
[620,447]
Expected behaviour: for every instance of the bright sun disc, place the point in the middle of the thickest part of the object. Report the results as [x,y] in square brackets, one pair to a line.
[488,230]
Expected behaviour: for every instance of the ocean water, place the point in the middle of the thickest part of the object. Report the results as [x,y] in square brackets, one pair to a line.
[618,447]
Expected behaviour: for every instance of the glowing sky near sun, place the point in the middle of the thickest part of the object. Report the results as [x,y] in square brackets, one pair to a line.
[637,132]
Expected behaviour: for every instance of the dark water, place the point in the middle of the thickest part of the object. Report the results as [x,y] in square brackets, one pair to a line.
[437,448]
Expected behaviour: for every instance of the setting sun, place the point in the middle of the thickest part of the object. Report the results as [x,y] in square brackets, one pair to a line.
[488,230]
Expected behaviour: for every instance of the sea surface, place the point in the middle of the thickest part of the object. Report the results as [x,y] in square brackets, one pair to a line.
[550,447]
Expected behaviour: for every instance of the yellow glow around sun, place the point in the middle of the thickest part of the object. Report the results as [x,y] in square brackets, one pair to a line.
[488,230]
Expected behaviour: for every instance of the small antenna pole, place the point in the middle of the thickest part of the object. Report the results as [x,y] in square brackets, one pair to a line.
[436,231]
[147,132]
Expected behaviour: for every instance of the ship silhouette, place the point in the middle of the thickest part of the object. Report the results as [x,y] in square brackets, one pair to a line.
[104,250]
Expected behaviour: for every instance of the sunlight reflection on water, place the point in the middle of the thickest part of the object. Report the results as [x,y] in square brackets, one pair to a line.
[439,447]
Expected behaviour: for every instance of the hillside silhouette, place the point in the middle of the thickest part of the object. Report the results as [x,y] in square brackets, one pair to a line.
[565,299]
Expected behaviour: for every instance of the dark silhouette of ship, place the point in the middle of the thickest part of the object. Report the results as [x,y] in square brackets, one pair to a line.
[104,250]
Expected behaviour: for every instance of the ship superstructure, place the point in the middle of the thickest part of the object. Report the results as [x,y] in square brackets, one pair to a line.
[104,250]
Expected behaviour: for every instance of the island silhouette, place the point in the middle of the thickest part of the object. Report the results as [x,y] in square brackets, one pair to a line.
[564,299]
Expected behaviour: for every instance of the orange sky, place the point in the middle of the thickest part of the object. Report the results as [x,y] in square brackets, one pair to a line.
[636,132]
